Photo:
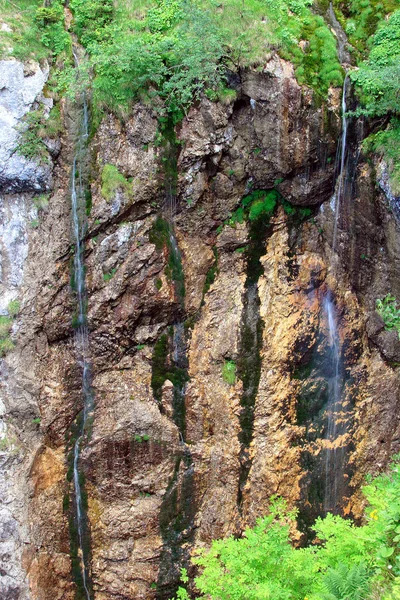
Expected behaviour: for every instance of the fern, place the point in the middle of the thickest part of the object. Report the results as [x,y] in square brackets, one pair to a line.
[344,583]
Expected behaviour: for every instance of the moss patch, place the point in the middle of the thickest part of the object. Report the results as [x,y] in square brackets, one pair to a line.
[112,181]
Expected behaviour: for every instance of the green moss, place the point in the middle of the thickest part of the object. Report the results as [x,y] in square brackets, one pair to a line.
[161,235]
[113,181]
[110,275]
[159,366]
[229,372]
[176,520]
[158,284]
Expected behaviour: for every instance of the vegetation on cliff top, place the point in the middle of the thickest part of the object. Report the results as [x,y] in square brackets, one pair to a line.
[171,51]
[378,83]
[389,310]
[348,563]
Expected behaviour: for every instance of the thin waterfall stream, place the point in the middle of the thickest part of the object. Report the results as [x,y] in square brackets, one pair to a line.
[81,330]
[334,452]
[342,171]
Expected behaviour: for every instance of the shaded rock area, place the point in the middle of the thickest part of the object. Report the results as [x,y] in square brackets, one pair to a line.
[161,477]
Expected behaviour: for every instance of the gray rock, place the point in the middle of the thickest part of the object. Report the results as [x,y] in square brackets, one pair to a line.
[19,89]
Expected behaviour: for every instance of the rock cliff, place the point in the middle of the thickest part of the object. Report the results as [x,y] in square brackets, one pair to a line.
[208,337]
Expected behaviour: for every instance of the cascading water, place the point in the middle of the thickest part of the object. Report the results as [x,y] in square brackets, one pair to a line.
[81,330]
[334,460]
[341,177]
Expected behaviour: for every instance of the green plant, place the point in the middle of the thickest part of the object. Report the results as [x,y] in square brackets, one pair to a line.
[6,346]
[36,420]
[229,372]
[389,311]
[349,583]
[5,326]
[348,563]
[113,181]
[41,202]
[13,308]
[110,275]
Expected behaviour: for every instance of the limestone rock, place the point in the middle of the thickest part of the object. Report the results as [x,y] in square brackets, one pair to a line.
[19,90]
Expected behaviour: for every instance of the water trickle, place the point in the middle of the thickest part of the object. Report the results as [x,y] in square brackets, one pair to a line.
[334,467]
[342,171]
[81,331]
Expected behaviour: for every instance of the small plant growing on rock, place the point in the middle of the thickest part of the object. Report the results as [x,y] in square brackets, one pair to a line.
[229,372]
[389,310]
[6,343]
[110,275]
[113,181]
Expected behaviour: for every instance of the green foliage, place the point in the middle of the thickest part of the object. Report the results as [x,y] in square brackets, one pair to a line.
[349,583]
[350,562]
[174,50]
[387,143]
[363,19]
[92,19]
[113,181]
[389,311]
[30,143]
[229,372]
[378,78]
[258,204]
[34,129]
[37,31]
[110,275]
[378,84]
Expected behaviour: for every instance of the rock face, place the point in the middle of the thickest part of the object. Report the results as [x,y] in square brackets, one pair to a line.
[209,343]
[20,86]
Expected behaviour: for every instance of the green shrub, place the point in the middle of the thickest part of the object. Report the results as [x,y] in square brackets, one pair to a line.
[387,143]
[229,372]
[349,563]
[390,312]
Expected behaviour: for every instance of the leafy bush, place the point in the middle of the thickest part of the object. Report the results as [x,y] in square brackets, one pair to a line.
[390,312]
[387,143]
[378,83]
[350,562]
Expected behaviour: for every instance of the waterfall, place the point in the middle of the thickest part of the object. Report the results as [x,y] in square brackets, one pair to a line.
[81,331]
[334,452]
[341,177]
